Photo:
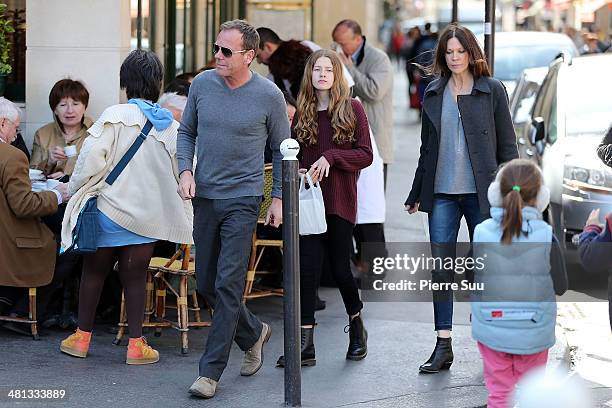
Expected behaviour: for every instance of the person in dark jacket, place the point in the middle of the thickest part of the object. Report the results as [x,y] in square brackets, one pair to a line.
[287,66]
[604,150]
[595,249]
[422,55]
[595,246]
[466,133]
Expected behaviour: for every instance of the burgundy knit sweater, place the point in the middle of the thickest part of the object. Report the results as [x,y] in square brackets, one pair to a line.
[340,187]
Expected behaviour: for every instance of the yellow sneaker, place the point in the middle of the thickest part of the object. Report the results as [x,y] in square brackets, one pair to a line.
[139,352]
[76,344]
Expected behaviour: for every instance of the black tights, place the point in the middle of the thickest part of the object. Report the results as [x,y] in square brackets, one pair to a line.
[133,263]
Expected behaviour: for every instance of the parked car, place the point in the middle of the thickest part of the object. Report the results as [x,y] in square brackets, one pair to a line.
[521,103]
[571,114]
[519,50]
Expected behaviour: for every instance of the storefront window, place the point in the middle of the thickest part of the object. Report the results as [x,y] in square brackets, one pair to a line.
[140,24]
[184,48]
[15,82]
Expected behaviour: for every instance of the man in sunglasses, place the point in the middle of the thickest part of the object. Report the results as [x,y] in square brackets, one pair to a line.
[231,113]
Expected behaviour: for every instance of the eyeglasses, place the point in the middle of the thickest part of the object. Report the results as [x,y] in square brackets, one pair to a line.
[227,52]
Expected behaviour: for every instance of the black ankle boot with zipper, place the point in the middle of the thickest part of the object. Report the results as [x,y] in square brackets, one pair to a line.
[441,358]
[307,349]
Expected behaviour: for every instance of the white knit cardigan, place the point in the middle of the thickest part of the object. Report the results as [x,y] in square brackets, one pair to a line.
[144,198]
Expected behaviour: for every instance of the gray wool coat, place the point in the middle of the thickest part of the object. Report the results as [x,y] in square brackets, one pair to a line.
[489,134]
[373,76]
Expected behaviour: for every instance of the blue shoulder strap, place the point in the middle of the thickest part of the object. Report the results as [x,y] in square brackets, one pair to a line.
[129,154]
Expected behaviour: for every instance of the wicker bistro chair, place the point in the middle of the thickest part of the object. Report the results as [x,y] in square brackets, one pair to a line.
[31,319]
[158,284]
[259,245]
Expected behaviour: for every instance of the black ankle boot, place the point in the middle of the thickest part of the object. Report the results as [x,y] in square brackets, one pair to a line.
[441,358]
[307,349]
[358,339]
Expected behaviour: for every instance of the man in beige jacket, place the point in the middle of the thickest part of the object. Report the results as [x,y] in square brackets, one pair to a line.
[373,75]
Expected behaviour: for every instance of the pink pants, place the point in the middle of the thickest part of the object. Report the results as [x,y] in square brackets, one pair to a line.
[503,370]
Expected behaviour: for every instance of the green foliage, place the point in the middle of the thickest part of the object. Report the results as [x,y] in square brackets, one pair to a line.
[6,27]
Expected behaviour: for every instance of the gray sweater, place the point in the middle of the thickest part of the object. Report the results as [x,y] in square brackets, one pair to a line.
[230,128]
[454,174]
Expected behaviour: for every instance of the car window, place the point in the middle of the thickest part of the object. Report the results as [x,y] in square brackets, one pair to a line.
[511,61]
[540,107]
[525,102]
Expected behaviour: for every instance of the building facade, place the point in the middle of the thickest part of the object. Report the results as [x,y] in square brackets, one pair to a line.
[88,39]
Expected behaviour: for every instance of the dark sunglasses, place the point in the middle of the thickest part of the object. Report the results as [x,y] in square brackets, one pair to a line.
[227,52]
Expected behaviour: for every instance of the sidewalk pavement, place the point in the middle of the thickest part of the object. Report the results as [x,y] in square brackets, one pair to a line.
[401,337]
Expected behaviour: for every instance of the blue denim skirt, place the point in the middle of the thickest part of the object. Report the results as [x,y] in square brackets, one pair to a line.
[111,234]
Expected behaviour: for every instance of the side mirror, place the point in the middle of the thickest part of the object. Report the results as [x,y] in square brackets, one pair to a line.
[536,132]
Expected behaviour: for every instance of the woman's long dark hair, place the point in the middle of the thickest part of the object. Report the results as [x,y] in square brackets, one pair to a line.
[477,62]
[288,62]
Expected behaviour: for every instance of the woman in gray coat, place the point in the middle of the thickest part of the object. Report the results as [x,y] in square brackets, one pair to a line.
[466,133]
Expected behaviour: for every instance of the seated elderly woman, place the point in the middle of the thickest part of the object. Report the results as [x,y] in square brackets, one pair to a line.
[27,247]
[53,150]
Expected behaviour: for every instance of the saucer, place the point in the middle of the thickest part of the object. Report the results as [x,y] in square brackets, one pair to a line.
[35,173]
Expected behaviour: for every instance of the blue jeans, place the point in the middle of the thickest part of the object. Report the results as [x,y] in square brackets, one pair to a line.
[444,223]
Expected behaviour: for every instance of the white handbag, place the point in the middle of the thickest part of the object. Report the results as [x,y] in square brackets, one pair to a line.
[312,208]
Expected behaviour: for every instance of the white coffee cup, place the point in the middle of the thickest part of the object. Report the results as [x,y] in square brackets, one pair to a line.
[70,151]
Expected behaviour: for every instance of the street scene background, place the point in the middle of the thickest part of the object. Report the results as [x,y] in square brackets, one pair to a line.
[400,334]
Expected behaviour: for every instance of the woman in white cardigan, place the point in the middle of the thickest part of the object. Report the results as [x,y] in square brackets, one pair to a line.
[138,209]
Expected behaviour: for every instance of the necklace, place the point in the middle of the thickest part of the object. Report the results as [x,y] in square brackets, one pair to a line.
[459,90]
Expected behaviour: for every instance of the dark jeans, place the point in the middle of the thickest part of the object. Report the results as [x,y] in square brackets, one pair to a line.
[444,223]
[339,243]
[222,232]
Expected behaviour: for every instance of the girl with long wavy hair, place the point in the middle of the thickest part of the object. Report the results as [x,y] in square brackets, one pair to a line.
[334,137]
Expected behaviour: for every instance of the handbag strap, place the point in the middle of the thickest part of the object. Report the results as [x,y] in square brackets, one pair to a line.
[129,154]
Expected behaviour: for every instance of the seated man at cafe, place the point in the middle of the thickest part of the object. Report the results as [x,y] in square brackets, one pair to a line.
[27,247]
